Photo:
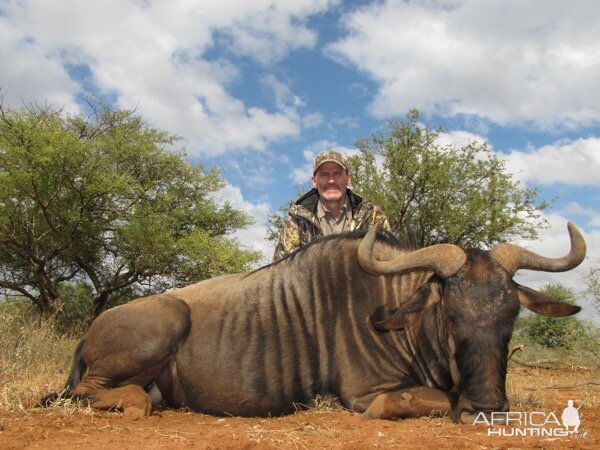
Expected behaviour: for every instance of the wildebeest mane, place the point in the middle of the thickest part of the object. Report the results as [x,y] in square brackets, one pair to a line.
[407,241]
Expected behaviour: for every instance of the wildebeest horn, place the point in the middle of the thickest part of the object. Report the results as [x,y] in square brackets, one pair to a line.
[443,259]
[512,257]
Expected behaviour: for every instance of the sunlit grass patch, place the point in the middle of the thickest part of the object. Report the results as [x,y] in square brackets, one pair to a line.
[34,358]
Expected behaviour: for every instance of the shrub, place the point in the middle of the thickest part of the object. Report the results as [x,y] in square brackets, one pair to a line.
[552,332]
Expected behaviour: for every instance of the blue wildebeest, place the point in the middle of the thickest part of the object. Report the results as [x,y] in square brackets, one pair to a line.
[390,332]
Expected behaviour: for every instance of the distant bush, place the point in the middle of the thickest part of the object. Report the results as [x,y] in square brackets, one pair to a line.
[563,332]
[75,313]
[568,342]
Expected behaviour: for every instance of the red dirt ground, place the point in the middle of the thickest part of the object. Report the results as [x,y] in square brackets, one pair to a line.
[540,391]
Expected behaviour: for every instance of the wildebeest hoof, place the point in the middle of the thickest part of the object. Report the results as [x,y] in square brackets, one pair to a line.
[368,415]
[135,413]
[467,417]
[49,400]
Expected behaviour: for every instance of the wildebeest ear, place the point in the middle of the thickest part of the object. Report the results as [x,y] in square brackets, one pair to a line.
[542,304]
[402,316]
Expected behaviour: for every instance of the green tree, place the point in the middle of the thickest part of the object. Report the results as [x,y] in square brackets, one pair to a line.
[103,202]
[553,332]
[442,194]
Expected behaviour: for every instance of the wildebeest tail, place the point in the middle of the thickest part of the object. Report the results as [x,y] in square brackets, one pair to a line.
[78,367]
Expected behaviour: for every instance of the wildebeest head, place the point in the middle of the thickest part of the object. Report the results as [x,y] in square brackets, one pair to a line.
[478,302]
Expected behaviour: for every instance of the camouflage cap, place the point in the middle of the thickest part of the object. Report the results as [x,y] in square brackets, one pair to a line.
[329,156]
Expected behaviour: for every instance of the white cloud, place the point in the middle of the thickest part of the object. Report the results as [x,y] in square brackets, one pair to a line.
[507,61]
[590,214]
[572,162]
[28,73]
[576,163]
[268,31]
[254,236]
[284,98]
[153,54]
[459,139]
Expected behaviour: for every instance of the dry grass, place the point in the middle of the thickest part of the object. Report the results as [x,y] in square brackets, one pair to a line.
[34,359]
[538,388]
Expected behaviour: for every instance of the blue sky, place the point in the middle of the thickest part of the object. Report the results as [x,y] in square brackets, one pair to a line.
[259,87]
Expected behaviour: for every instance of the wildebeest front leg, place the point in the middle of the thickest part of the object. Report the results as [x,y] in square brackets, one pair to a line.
[407,403]
[130,346]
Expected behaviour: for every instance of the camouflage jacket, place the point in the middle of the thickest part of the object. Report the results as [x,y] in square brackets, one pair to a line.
[301,226]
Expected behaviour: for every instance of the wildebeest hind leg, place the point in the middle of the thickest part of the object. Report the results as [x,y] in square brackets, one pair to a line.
[131,399]
[129,347]
[411,402]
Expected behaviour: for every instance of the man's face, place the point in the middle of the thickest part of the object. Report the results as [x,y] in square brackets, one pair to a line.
[331,180]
